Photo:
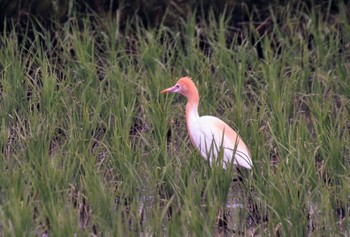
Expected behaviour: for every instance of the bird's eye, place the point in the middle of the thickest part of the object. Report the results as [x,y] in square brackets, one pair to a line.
[177,86]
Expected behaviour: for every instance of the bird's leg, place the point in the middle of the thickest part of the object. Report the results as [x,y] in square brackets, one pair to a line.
[221,220]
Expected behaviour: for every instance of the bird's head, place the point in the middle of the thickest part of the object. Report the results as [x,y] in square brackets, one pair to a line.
[183,86]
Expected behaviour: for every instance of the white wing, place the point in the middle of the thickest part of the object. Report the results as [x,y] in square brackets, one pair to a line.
[209,134]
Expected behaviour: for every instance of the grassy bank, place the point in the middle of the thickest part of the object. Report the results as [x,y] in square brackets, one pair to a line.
[89,146]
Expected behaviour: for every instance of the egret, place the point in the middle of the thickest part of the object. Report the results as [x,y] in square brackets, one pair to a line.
[209,134]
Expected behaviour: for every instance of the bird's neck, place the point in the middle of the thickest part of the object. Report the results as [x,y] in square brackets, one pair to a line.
[192,102]
[191,111]
[191,118]
[191,108]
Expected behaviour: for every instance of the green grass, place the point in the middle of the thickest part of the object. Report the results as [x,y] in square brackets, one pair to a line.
[90,146]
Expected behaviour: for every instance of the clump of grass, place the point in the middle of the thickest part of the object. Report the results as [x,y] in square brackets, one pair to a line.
[89,145]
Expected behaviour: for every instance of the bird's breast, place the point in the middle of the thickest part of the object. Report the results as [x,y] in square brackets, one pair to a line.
[203,131]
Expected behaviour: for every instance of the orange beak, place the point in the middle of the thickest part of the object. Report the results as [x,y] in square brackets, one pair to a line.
[170,89]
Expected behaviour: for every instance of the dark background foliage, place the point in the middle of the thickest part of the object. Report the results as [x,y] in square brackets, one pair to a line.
[152,12]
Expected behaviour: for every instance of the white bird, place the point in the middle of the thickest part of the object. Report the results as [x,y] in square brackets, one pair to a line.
[208,133]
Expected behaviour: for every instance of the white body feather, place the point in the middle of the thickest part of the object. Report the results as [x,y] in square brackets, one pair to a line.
[209,134]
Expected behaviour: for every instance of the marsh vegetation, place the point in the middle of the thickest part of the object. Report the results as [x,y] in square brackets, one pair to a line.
[89,146]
